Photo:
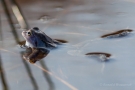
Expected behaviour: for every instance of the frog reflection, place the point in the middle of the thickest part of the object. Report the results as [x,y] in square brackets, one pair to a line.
[35,54]
[38,42]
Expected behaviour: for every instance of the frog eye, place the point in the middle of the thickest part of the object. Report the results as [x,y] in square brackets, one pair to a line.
[29,33]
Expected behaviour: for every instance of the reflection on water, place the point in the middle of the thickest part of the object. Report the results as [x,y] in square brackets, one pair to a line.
[33,55]
[19,15]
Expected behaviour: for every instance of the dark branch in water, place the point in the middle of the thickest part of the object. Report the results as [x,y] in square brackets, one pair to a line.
[47,77]
[117,34]
[18,13]
[10,20]
[0,29]
[2,73]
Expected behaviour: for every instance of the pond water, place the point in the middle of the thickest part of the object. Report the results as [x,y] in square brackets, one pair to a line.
[81,23]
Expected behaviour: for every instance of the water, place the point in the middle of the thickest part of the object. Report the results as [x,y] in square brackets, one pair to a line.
[81,23]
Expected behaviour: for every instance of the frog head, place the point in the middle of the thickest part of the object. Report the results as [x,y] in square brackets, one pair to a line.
[35,38]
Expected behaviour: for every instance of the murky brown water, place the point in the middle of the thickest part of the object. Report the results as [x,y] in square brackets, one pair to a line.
[81,24]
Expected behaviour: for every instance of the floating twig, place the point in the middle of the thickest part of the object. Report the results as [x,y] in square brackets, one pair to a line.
[101,55]
[117,34]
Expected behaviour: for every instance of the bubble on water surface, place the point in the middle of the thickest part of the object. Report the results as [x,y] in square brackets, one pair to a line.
[45,18]
[59,8]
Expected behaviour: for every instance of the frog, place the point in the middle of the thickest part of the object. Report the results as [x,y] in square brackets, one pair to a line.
[36,38]
[37,44]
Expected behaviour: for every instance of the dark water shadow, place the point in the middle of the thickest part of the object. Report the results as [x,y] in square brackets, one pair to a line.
[47,76]
[2,72]
[2,75]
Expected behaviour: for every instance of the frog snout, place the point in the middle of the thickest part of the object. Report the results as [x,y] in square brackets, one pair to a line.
[24,33]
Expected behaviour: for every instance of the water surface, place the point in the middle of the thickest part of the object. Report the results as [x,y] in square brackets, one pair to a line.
[81,23]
